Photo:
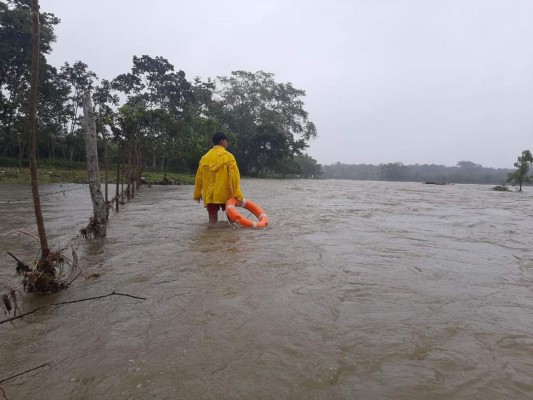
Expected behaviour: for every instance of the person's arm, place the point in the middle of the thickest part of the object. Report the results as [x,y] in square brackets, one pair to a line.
[234,179]
[198,184]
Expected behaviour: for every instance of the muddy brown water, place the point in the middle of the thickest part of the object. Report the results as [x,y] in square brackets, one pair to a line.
[357,290]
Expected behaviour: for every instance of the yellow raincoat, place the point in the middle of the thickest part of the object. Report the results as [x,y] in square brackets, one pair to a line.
[217,178]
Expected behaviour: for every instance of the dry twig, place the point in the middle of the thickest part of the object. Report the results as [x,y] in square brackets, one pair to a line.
[69,302]
[25,372]
[30,234]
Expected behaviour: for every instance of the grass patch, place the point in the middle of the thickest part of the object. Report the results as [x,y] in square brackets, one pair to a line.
[14,175]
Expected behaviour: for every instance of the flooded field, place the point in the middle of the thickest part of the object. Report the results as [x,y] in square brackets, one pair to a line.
[357,290]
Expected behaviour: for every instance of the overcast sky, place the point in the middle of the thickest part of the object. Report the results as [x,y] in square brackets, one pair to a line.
[412,81]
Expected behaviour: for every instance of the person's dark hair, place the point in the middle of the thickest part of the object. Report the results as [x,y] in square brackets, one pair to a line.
[218,137]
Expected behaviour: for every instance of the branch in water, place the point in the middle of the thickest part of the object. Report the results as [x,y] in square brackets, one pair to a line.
[70,302]
[25,372]
[30,234]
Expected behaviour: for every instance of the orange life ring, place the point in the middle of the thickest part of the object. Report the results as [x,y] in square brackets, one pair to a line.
[234,215]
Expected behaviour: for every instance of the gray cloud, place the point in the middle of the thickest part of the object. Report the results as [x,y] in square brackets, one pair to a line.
[415,81]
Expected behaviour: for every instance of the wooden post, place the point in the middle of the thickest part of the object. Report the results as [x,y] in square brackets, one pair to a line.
[106,159]
[117,193]
[89,127]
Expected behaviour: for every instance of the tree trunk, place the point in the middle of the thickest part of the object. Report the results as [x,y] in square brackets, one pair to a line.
[21,151]
[106,160]
[118,176]
[122,177]
[72,150]
[106,176]
[130,191]
[89,127]
[45,251]
[106,166]
[164,161]
[138,167]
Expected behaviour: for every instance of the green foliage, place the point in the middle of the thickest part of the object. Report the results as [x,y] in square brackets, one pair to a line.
[165,121]
[394,171]
[520,176]
[75,172]
[78,79]
[153,82]
[165,98]
[267,118]
[198,139]
[15,59]
[468,165]
[286,168]
[500,188]
[308,166]
[415,173]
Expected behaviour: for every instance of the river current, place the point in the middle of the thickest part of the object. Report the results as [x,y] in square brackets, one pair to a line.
[356,290]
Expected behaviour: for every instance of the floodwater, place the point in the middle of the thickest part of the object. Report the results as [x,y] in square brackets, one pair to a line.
[357,290]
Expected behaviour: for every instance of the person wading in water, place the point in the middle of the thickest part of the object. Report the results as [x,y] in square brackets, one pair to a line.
[218,178]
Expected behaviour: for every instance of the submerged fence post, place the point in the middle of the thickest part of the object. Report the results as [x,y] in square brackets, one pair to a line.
[89,128]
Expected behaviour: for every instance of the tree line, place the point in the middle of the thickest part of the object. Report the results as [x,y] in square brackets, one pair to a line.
[463,172]
[152,115]
[155,116]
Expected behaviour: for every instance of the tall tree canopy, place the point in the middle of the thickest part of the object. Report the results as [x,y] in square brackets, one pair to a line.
[156,114]
[165,96]
[267,119]
[15,60]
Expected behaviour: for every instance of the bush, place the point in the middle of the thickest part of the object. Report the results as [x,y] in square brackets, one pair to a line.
[501,188]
